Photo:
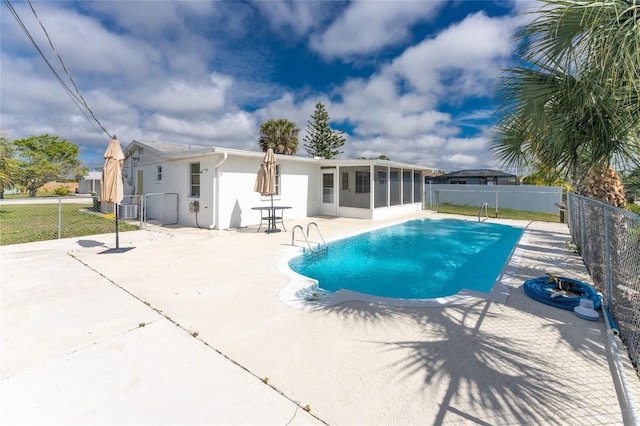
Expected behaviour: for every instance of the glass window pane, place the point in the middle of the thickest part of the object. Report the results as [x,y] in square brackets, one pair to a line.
[327,188]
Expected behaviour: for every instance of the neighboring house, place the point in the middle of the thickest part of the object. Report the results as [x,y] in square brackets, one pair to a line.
[430,177]
[477,177]
[212,187]
[90,183]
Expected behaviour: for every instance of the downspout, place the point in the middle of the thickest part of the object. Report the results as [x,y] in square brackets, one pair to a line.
[216,190]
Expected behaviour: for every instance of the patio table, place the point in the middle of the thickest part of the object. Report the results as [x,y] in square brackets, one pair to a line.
[270,215]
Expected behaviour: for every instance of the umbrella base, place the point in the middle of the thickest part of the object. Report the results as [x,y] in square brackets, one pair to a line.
[117,250]
[271,231]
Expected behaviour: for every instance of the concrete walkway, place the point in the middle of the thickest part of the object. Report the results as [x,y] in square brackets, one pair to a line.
[78,349]
[184,326]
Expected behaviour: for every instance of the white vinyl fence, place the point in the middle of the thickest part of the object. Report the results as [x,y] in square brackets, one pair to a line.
[516,197]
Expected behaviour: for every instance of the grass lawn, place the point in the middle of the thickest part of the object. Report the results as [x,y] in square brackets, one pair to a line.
[502,213]
[23,223]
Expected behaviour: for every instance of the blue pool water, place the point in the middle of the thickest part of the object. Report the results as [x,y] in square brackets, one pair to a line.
[418,259]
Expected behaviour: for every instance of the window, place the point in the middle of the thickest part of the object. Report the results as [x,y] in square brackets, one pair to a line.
[345,181]
[277,179]
[363,183]
[158,173]
[382,178]
[327,187]
[194,179]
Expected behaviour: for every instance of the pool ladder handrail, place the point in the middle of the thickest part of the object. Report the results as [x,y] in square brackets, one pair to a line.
[484,206]
[306,236]
[324,243]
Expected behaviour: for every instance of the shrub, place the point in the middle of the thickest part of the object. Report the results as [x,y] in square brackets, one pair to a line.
[62,191]
[633,208]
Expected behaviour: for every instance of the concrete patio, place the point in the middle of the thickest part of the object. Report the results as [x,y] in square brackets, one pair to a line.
[185,327]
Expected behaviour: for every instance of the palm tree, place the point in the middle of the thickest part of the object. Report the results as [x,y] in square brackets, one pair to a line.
[545,175]
[574,101]
[279,134]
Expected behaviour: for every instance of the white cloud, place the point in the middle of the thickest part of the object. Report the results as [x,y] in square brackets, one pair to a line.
[221,131]
[477,144]
[460,160]
[368,26]
[297,16]
[87,47]
[375,107]
[184,98]
[463,60]
[150,18]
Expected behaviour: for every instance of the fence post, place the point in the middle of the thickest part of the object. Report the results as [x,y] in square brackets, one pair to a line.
[496,204]
[142,210]
[584,250]
[437,201]
[607,256]
[59,217]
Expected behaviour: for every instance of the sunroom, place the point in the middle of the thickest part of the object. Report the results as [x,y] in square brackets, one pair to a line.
[370,189]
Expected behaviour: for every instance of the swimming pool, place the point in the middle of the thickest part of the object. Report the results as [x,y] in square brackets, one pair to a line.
[417,259]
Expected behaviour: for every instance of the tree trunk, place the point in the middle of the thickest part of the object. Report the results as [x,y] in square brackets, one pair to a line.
[604,184]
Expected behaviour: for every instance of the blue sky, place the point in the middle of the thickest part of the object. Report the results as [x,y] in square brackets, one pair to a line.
[413,80]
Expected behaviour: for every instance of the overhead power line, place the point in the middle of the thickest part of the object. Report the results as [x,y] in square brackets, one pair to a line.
[76,97]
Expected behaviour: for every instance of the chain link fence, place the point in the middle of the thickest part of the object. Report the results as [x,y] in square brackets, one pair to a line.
[24,220]
[608,239]
[160,208]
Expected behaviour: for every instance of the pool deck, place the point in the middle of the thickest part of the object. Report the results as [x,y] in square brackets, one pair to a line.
[184,326]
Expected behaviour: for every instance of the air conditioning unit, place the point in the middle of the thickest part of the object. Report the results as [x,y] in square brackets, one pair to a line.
[107,208]
[128,211]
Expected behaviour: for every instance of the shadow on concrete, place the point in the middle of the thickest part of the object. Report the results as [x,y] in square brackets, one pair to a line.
[89,243]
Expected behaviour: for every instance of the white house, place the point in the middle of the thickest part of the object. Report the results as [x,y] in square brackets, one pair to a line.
[212,187]
[90,183]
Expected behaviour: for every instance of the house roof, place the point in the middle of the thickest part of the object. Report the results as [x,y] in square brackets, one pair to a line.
[93,175]
[375,162]
[477,173]
[164,148]
[172,150]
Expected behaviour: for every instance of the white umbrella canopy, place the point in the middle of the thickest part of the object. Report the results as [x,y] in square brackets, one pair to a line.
[266,183]
[111,185]
[266,177]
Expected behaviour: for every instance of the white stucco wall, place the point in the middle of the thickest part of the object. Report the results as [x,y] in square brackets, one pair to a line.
[236,195]
[175,179]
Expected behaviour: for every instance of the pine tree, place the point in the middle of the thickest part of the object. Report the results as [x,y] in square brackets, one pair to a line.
[321,140]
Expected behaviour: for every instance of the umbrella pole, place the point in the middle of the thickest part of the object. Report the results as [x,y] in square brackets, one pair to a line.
[273,215]
[117,239]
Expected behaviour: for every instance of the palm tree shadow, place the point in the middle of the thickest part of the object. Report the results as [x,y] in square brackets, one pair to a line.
[487,371]
[483,371]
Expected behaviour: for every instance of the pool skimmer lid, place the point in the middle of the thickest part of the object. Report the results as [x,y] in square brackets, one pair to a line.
[585,310]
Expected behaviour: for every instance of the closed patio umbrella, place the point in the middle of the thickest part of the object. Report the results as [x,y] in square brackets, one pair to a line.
[111,186]
[266,180]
